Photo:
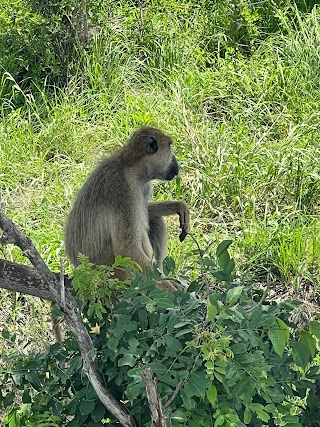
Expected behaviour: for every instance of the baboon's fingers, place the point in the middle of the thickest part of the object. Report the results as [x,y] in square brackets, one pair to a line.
[184,224]
[183,235]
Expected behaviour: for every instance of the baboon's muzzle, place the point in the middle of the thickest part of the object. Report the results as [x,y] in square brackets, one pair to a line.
[173,170]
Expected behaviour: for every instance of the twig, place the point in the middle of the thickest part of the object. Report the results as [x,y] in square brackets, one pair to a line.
[174,395]
[202,272]
[264,296]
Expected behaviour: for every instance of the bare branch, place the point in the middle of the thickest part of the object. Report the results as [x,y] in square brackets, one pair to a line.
[26,280]
[46,285]
[174,395]
[15,236]
[158,419]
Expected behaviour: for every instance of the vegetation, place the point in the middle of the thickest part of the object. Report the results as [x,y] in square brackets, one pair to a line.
[237,86]
[231,359]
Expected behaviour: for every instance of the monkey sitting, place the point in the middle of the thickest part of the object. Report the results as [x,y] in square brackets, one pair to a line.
[112,214]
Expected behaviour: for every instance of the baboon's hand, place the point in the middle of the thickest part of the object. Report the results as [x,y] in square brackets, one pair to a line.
[184,221]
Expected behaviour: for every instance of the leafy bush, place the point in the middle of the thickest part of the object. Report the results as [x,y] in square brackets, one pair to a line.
[42,41]
[234,358]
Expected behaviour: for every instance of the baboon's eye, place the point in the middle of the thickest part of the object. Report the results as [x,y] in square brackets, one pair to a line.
[152,145]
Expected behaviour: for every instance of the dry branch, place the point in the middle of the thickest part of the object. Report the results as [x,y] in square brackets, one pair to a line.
[42,282]
[26,280]
[158,419]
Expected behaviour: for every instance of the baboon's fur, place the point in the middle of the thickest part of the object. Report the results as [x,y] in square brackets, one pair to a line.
[112,214]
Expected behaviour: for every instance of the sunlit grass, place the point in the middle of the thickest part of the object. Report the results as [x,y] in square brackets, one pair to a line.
[245,129]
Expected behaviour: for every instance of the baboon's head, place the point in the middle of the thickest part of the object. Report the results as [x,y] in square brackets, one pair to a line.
[151,151]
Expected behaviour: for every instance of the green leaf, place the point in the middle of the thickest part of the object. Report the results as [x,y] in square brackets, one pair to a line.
[257,407]
[309,341]
[224,259]
[196,384]
[143,319]
[180,416]
[182,323]
[239,348]
[200,379]
[75,364]
[87,406]
[292,420]
[127,360]
[219,421]
[300,354]
[279,337]
[188,403]
[212,394]
[183,332]
[8,399]
[211,312]
[157,368]
[5,333]
[167,379]
[220,275]
[17,378]
[283,326]
[169,265]
[263,416]
[133,344]
[244,388]
[214,299]
[26,398]
[33,379]
[173,343]
[223,246]
[98,413]
[164,301]
[314,328]
[234,294]
[228,269]
[247,416]
[194,287]
[112,343]
[134,390]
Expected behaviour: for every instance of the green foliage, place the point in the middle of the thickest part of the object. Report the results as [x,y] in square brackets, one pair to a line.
[239,361]
[237,86]
[40,40]
[244,126]
[97,286]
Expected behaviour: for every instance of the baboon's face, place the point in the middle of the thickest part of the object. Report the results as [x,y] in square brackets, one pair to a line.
[154,154]
[173,169]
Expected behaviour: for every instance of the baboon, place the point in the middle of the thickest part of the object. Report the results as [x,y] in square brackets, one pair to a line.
[112,214]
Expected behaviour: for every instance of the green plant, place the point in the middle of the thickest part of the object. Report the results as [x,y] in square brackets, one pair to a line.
[234,358]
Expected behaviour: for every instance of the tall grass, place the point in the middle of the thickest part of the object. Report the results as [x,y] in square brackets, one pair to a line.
[245,129]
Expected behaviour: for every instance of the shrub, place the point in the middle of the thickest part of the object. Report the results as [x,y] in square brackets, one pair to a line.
[234,358]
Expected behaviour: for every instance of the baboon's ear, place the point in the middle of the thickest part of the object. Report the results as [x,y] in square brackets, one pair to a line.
[152,145]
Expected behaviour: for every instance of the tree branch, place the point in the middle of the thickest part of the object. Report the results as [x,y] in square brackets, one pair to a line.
[26,280]
[45,284]
[174,395]
[158,419]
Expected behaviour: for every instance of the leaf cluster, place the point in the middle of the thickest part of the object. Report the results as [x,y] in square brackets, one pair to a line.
[230,360]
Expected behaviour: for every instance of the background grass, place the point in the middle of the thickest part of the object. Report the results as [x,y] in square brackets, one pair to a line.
[238,93]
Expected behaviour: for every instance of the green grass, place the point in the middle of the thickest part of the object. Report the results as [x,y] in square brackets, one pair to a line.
[246,130]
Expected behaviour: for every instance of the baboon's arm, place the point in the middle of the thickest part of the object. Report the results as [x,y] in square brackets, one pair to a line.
[157,209]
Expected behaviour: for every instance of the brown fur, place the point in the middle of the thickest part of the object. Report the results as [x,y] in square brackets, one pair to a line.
[112,214]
